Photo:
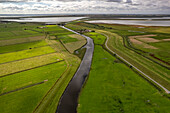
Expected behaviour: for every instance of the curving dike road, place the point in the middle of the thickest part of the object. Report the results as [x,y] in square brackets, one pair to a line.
[69,100]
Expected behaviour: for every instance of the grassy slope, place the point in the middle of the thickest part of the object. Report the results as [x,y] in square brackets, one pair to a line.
[115,88]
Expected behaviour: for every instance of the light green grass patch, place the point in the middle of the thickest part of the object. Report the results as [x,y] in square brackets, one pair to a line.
[33,76]
[7,57]
[98,38]
[25,64]
[25,101]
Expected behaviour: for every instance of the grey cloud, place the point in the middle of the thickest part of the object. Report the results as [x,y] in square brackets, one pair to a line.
[129,1]
[114,0]
[59,0]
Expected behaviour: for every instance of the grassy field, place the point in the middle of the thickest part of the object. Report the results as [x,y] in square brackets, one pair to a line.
[33,72]
[22,40]
[31,76]
[126,30]
[26,64]
[14,30]
[7,57]
[22,46]
[52,30]
[116,43]
[75,43]
[66,39]
[113,87]
[27,99]
[97,37]
[50,102]
[163,51]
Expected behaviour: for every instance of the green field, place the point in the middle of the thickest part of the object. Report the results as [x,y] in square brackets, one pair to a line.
[34,71]
[112,87]
[22,46]
[117,44]
[126,30]
[14,30]
[27,99]
[21,79]
[66,39]
[26,64]
[37,62]
[7,57]
[97,37]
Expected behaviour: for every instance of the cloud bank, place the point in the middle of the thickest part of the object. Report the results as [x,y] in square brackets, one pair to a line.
[85,6]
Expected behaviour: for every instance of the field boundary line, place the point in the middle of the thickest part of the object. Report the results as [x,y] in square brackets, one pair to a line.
[64,46]
[30,68]
[166,90]
[18,89]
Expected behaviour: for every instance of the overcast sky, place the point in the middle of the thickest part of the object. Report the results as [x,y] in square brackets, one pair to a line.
[85,6]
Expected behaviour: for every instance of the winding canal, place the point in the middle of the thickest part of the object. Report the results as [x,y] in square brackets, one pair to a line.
[69,100]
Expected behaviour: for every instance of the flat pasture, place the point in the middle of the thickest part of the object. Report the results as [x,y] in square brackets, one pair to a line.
[22,46]
[22,40]
[27,99]
[16,30]
[97,37]
[75,43]
[67,39]
[8,57]
[34,70]
[157,47]
[113,87]
[119,44]
[27,64]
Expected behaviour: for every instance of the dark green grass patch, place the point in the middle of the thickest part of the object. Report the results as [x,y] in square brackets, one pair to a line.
[20,36]
[25,101]
[61,33]
[163,51]
[98,38]
[16,30]
[7,57]
[114,88]
[161,36]
[67,39]
[22,46]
